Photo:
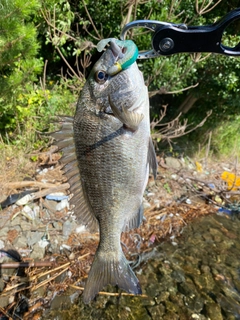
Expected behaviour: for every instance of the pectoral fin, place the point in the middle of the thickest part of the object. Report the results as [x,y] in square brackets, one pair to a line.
[152,159]
[130,119]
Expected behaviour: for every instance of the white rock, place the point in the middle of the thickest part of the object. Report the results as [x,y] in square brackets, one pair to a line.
[1,244]
[63,204]
[43,243]
[80,229]
[65,246]
[36,211]
[151,194]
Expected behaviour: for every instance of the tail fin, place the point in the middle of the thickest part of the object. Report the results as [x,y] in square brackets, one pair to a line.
[110,270]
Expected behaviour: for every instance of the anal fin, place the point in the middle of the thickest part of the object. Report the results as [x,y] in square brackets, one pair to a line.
[134,220]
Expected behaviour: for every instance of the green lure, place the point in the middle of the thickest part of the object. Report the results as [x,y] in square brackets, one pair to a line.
[126,59]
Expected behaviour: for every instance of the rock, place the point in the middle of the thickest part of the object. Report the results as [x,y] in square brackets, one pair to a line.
[213,311]
[34,238]
[170,316]
[173,163]
[163,296]
[1,244]
[38,252]
[16,221]
[20,242]
[57,225]
[178,275]
[2,285]
[3,232]
[4,301]
[68,227]
[157,311]
[63,204]
[26,225]
[172,307]
[194,303]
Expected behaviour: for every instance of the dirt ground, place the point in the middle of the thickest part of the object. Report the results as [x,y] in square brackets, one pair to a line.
[185,189]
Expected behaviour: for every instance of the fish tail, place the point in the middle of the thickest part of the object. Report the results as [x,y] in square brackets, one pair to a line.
[109,270]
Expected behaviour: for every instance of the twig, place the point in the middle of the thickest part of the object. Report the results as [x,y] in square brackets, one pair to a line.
[50,271]
[24,184]
[111,293]
[47,280]
[90,18]
[208,147]
[55,188]
[163,91]
[205,9]
[37,264]
[6,314]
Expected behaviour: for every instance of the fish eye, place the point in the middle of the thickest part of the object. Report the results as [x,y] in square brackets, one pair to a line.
[101,76]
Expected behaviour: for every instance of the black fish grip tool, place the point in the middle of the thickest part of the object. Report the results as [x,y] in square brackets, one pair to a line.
[169,38]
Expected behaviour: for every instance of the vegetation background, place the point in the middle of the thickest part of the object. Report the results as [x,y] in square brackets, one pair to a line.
[47,48]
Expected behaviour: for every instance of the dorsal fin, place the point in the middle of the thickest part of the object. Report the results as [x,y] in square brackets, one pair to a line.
[65,142]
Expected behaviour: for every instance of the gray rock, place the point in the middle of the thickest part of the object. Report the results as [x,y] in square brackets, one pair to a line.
[38,252]
[173,163]
[3,232]
[68,227]
[157,311]
[34,238]
[20,242]
[178,275]
[213,311]
[26,225]
[4,301]
[2,244]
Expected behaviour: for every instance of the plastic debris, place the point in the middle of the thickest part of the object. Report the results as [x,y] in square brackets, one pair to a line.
[232,180]
[224,210]
[24,200]
[199,167]
[211,185]
[58,196]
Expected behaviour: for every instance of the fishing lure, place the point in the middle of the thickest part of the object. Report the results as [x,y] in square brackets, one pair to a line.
[126,56]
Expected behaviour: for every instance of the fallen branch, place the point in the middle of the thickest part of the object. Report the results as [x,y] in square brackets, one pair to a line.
[111,293]
[25,184]
[52,189]
[37,264]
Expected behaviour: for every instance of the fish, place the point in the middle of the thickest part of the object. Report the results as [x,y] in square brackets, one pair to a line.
[107,154]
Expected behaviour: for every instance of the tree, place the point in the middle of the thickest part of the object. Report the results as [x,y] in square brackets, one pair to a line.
[19,65]
[65,33]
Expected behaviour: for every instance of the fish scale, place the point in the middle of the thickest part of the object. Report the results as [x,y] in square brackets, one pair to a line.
[113,148]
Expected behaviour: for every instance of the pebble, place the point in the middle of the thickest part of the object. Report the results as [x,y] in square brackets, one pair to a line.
[63,204]
[67,228]
[1,244]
